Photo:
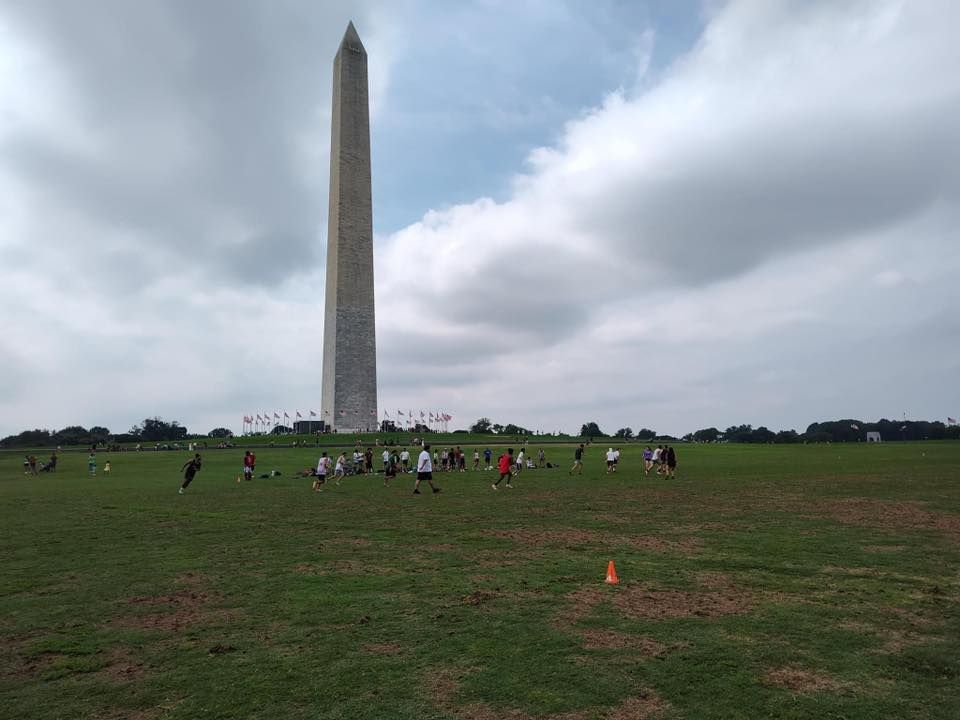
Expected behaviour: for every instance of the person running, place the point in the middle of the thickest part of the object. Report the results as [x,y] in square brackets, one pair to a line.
[340,469]
[92,464]
[190,469]
[405,460]
[541,458]
[616,458]
[386,462]
[425,471]
[611,461]
[504,465]
[521,460]
[461,460]
[106,468]
[487,457]
[248,462]
[577,461]
[476,459]
[647,460]
[656,457]
[323,467]
[671,463]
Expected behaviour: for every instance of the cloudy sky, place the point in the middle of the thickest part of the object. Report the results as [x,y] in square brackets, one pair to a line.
[648,214]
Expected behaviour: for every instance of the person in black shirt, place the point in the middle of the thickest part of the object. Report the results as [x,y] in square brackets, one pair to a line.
[577,461]
[190,468]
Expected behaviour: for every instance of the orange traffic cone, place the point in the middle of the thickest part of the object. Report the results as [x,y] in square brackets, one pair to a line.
[612,578]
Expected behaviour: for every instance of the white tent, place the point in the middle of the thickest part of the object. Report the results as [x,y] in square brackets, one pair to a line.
[873,437]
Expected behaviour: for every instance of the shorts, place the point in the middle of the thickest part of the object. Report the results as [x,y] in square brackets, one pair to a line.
[247,471]
[321,478]
[611,463]
[428,476]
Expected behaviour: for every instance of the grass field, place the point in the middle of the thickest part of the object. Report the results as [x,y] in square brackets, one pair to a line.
[766,581]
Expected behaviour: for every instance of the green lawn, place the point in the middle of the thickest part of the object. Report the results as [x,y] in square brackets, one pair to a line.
[766,581]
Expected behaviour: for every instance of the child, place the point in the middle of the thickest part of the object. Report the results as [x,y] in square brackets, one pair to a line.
[106,468]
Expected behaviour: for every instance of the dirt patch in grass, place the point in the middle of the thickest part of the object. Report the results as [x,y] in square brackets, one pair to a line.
[801,681]
[639,602]
[613,640]
[181,609]
[122,667]
[341,567]
[33,666]
[720,597]
[899,515]
[479,597]
[445,684]
[382,649]
[575,537]
[884,548]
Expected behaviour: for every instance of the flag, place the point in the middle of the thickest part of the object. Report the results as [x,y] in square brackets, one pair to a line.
[386,414]
[259,419]
[399,413]
[431,416]
[298,414]
[422,415]
[312,414]
[276,416]
[951,421]
[285,414]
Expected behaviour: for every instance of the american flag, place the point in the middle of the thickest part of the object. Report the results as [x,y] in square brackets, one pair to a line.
[399,413]
[285,414]
[312,414]
[298,414]
[259,419]
[276,416]
[951,421]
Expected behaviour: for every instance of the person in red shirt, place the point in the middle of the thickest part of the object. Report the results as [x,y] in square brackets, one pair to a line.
[249,465]
[504,463]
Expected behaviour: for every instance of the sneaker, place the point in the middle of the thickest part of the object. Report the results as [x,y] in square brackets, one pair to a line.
[181,491]
[494,486]
[416,492]
[509,485]
[436,490]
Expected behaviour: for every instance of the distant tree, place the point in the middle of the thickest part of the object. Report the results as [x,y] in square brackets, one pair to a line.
[739,434]
[646,434]
[625,433]
[787,436]
[421,429]
[99,433]
[483,426]
[762,435]
[708,435]
[281,430]
[28,438]
[590,429]
[511,429]
[388,426]
[220,432]
[496,428]
[155,429]
[72,435]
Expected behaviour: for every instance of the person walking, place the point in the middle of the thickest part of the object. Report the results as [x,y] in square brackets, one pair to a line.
[190,469]
[92,464]
[577,461]
[487,457]
[647,460]
[476,459]
[541,458]
[425,471]
[249,462]
[504,465]
[405,460]
[340,469]
[611,461]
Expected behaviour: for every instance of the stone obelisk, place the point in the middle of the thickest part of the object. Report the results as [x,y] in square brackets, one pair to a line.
[349,397]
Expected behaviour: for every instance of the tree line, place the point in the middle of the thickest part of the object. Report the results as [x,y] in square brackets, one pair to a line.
[150,430]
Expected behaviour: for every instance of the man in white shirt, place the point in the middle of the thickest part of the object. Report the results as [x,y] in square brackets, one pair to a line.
[386,461]
[611,461]
[425,471]
[405,460]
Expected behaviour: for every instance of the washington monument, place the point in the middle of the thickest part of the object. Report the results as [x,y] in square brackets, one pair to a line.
[349,397]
